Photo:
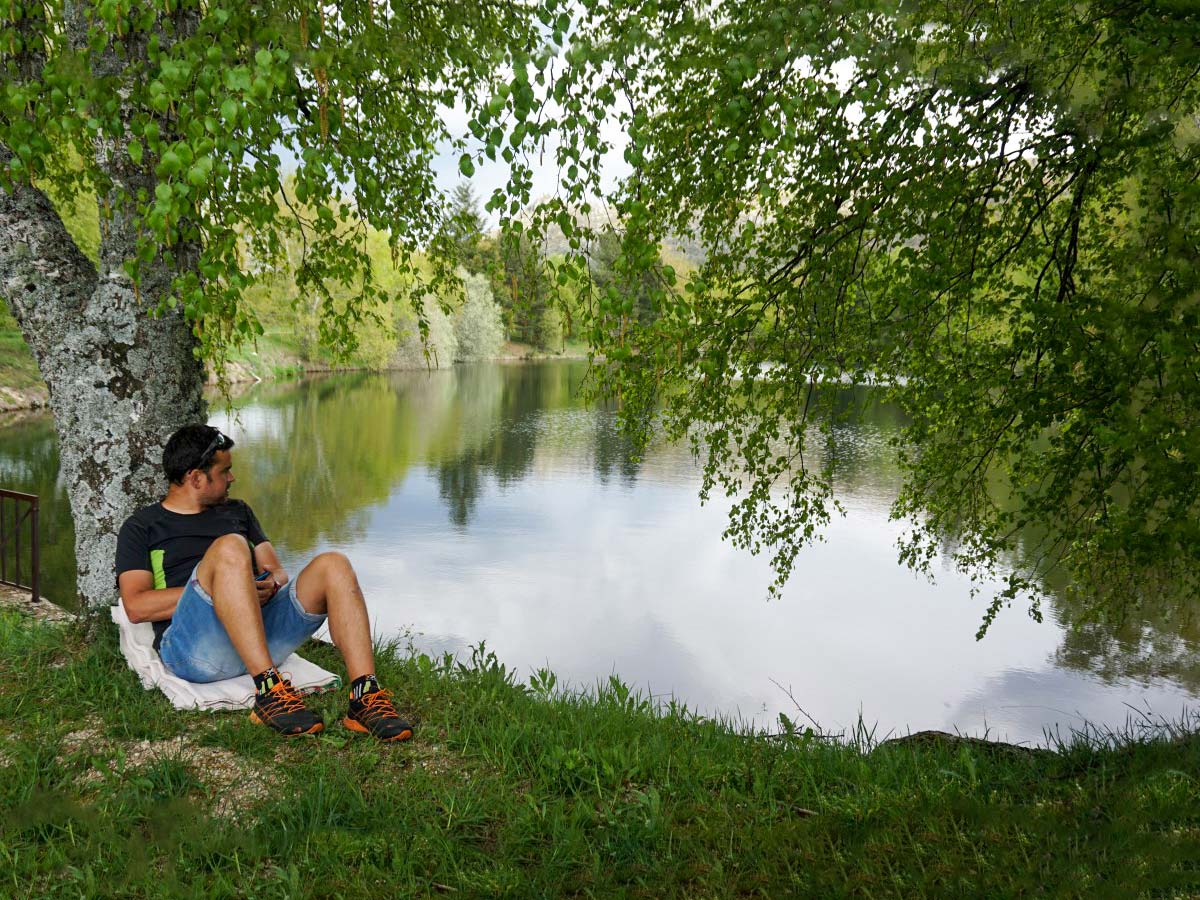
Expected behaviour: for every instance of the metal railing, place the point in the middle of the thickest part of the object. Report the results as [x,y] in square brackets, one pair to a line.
[10,532]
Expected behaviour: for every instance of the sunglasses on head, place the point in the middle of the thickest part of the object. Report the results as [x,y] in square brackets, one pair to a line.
[220,442]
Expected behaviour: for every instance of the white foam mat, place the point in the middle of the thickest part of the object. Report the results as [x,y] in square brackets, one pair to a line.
[137,643]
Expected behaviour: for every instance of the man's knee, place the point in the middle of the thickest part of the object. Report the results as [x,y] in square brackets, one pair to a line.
[333,561]
[229,549]
[327,576]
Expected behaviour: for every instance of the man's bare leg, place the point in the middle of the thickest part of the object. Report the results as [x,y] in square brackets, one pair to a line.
[226,574]
[328,586]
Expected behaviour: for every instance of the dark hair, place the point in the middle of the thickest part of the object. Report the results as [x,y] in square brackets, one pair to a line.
[192,447]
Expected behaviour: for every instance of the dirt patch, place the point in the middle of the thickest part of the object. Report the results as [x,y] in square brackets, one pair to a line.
[436,759]
[12,398]
[232,784]
[19,600]
[235,373]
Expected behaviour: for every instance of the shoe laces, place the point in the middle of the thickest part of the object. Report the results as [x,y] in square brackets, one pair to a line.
[286,697]
[378,705]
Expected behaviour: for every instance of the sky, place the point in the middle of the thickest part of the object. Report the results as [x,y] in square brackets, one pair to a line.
[490,175]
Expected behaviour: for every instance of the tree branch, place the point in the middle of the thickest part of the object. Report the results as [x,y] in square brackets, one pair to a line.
[44,276]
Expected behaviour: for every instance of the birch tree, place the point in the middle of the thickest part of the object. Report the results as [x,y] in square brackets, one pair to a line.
[178,117]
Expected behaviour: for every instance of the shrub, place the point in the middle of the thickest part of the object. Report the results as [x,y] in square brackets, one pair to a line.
[410,352]
[477,325]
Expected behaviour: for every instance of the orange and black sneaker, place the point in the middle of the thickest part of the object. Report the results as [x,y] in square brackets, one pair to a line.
[376,714]
[282,708]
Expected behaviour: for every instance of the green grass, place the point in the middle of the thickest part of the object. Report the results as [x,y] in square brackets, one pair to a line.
[18,369]
[520,790]
[274,355]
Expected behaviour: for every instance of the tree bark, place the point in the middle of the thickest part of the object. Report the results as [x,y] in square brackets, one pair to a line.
[121,380]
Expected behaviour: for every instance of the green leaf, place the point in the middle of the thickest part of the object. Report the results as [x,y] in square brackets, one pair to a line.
[170,163]
[466,165]
[135,151]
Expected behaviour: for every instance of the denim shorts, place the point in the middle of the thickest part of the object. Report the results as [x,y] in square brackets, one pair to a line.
[196,647]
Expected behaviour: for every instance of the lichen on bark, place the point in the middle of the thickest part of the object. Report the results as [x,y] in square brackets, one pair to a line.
[121,376]
[120,379]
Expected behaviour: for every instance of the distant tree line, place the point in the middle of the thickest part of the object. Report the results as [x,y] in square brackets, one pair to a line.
[535,309]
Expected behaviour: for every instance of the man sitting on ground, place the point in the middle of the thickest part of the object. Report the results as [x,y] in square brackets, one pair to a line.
[199,568]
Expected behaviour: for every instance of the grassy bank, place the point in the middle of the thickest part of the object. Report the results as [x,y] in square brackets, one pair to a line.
[278,354]
[520,791]
[17,367]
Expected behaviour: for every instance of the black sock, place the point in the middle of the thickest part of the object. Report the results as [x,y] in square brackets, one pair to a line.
[367,684]
[266,680]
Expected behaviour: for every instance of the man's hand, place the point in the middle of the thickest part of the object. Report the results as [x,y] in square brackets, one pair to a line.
[266,588]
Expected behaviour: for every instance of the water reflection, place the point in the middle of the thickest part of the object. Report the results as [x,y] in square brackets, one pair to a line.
[1158,643]
[490,503]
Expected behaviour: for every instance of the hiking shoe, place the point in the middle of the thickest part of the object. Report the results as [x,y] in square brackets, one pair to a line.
[282,708]
[376,714]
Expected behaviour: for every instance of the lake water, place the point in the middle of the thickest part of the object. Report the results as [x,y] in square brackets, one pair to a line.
[491,503]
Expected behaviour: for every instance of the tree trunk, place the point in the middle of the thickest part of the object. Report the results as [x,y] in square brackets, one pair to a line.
[120,379]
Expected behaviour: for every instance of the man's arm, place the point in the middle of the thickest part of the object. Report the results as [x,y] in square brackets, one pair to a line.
[264,555]
[141,601]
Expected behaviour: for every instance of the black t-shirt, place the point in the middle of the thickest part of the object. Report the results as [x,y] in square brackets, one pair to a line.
[170,544]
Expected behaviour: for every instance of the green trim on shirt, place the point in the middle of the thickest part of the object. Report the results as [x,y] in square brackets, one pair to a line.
[156,566]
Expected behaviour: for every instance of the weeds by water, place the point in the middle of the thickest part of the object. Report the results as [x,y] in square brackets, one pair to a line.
[525,790]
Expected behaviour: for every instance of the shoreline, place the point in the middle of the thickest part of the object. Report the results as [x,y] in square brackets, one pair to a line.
[22,399]
[27,400]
